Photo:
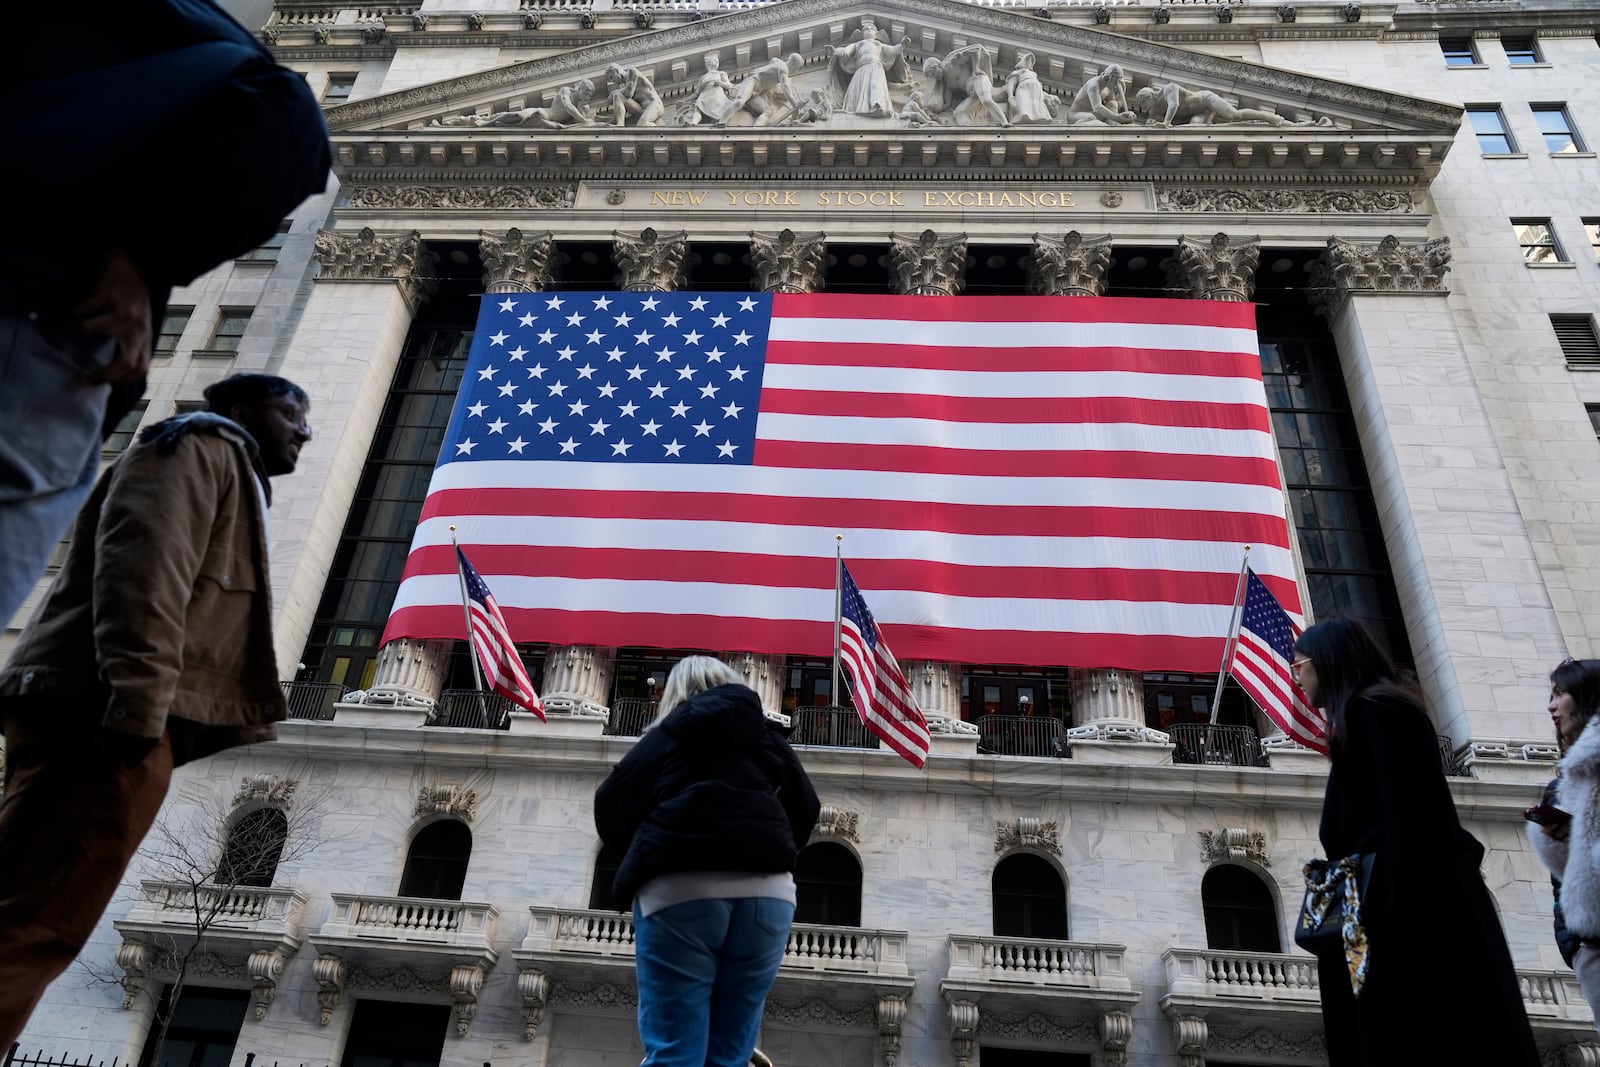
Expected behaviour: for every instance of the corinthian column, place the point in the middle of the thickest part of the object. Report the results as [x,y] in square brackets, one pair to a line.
[1223,268]
[651,262]
[376,281]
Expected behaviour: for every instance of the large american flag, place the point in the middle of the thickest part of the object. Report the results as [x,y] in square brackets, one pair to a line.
[1260,664]
[503,669]
[1032,480]
[882,695]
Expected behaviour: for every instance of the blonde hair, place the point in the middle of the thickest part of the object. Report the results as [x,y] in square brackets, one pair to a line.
[693,675]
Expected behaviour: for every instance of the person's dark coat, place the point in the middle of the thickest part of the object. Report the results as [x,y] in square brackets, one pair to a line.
[1435,945]
[714,787]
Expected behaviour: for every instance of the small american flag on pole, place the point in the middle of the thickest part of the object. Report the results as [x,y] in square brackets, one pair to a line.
[1260,664]
[502,667]
[882,694]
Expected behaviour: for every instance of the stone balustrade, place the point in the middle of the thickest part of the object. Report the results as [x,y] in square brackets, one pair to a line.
[1263,976]
[268,909]
[1037,962]
[1553,996]
[409,919]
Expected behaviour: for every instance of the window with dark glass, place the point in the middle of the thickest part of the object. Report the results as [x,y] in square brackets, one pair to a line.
[1490,127]
[228,332]
[254,846]
[606,865]
[1537,241]
[267,251]
[121,436]
[436,863]
[1240,914]
[338,88]
[1555,125]
[204,1029]
[827,882]
[387,1034]
[1030,899]
[1594,417]
[1580,344]
[1521,49]
[1458,51]
[173,322]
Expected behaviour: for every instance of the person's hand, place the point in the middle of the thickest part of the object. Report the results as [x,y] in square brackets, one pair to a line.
[119,308]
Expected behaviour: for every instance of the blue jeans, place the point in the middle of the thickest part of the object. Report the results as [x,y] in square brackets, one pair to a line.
[705,967]
[49,443]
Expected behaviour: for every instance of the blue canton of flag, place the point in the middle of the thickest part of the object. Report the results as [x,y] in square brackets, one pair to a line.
[1265,617]
[626,377]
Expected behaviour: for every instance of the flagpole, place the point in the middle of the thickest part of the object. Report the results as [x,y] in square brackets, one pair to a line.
[1233,634]
[838,610]
[466,612]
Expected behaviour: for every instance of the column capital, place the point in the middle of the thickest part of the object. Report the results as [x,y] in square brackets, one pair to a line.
[369,257]
[787,262]
[515,262]
[1070,265]
[1217,268]
[1386,266]
[651,261]
[927,264]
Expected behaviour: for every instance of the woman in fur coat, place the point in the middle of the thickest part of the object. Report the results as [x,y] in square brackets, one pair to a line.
[1570,847]
[1434,948]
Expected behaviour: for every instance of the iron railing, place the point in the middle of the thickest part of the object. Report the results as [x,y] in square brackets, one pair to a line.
[1220,746]
[313,700]
[1448,759]
[472,709]
[629,716]
[1021,735]
[830,727]
[17,1058]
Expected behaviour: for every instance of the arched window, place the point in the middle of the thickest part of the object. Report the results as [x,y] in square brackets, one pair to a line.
[605,872]
[436,866]
[1240,914]
[1030,899]
[254,846]
[827,882]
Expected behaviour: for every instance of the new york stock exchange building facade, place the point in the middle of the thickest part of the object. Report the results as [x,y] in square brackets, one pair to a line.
[1084,873]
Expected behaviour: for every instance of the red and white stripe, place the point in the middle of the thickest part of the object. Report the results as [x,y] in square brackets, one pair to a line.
[1265,676]
[503,670]
[882,695]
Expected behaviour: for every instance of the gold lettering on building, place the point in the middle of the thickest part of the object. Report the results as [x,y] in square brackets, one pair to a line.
[861,199]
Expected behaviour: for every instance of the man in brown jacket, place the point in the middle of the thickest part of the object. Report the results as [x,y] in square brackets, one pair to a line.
[153,647]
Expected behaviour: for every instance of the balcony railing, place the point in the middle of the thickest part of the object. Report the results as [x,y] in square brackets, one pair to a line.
[1260,976]
[1553,995]
[1021,735]
[1038,962]
[312,700]
[830,727]
[629,716]
[404,919]
[1220,746]
[473,709]
[184,904]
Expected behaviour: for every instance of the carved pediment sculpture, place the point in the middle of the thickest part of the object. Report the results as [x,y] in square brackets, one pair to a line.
[1101,98]
[631,95]
[1171,104]
[859,73]
[961,87]
[570,108]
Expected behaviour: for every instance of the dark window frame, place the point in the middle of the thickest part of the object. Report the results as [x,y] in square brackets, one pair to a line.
[1492,142]
[178,317]
[339,86]
[1033,901]
[1245,918]
[828,881]
[1455,55]
[1542,236]
[1522,49]
[436,864]
[1575,144]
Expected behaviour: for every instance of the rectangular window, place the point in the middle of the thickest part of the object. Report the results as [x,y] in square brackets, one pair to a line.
[1579,342]
[173,323]
[1591,227]
[231,324]
[1521,50]
[121,437]
[1537,241]
[1490,126]
[1458,51]
[1556,126]
[205,1027]
[1594,417]
[267,251]
[338,88]
[187,407]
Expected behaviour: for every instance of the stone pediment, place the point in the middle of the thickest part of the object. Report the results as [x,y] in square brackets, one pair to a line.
[908,83]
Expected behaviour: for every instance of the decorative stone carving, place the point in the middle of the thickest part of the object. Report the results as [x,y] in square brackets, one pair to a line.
[322,35]
[1027,832]
[936,687]
[271,35]
[1026,101]
[764,674]
[1037,1027]
[822,1014]
[1385,267]
[515,261]
[1161,14]
[713,95]
[891,1014]
[1287,13]
[534,989]
[1234,843]
[466,982]
[1351,12]
[838,823]
[1115,1030]
[577,680]
[1072,265]
[476,21]
[766,97]
[644,20]
[419,21]
[651,261]
[1102,99]
[928,265]
[271,790]
[963,1031]
[410,674]
[1171,104]
[468,197]
[962,89]
[1102,15]
[1264,1044]
[532,20]
[1224,13]
[366,257]
[1111,199]
[134,959]
[329,974]
[787,262]
[632,97]
[1108,705]
[859,74]
[1189,1034]
[604,996]
[1288,201]
[1222,268]
[456,801]
[265,968]
[571,107]
[914,112]
[374,33]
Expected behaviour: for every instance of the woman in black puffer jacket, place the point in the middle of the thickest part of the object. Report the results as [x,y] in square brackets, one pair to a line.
[712,807]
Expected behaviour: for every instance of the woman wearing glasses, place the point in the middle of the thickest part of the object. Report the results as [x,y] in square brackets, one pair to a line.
[1434,947]
[1565,828]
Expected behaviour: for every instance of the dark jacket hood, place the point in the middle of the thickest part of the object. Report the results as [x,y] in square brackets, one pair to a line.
[726,717]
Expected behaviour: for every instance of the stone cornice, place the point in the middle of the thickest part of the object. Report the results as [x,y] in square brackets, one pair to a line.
[973,21]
